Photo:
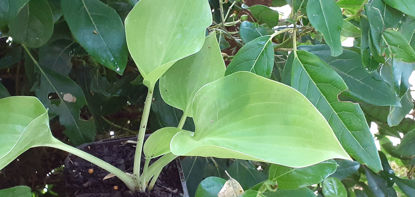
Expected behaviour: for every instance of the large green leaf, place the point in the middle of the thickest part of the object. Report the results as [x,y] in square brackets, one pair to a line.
[179,84]
[33,25]
[161,32]
[399,46]
[293,178]
[406,6]
[3,91]
[361,84]
[68,109]
[249,31]
[321,85]
[9,10]
[326,17]
[265,15]
[99,30]
[210,187]
[333,187]
[256,56]
[18,191]
[407,186]
[246,116]
[24,124]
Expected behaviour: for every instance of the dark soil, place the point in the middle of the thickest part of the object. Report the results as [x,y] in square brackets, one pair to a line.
[81,182]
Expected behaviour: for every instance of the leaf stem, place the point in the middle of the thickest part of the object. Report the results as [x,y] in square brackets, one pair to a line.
[182,121]
[158,166]
[123,176]
[142,132]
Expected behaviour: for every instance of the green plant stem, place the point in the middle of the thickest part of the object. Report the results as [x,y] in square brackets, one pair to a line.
[154,180]
[124,177]
[182,121]
[221,12]
[142,132]
[157,166]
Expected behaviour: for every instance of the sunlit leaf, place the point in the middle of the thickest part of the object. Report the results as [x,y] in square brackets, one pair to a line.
[399,46]
[245,116]
[333,187]
[161,32]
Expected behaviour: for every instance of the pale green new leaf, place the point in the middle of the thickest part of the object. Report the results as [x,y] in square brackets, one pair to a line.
[24,124]
[322,85]
[350,30]
[18,191]
[245,116]
[159,142]
[405,6]
[179,84]
[399,46]
[256,56]
[161,32]
[293,178]
[333,187]
[327,18]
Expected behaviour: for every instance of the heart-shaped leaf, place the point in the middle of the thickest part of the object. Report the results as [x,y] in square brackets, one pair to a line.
[24,124]
[159,142]
[99,29]
[179,84]
[161,32]
[210,187]
[246,116]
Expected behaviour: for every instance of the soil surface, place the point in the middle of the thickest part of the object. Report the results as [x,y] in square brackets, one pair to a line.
[84,179]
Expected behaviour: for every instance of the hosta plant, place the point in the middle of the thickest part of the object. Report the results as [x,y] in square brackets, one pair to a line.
[241,115]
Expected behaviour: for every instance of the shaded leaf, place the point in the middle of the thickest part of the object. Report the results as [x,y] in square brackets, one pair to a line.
[256,56]
[11,57]
[9,10]
[244,116]
[377,27]
[398,113]
[33,25]
[407,186]
[249,31]
[326,17]
[3,91]
[99,30]
[378,185]
[180,83]
[399,46]
[361,84]
[293,178]
[407,145]
[333,187]
[303,192]
[321,85]
[20,191]
[350,30]
[161,32]
[55,56]
[210,187]
[405,6]
[368,59]
[345,169]
[264,14]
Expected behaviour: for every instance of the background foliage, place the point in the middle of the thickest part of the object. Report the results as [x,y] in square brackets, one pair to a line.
[79,67]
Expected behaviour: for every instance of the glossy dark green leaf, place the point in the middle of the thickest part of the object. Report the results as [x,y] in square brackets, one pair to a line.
[398,113]
[99,30]
[249,31]
[366,53]
[333,187]
[9,10]
[407,186]
[33,25]
[399,46]
[256,56]
[378,185]
[160,32]
[180,83]
[18,191]
[405,6]
[56,56]
[293,178]
[264,14]
[361,84]
[326,17]
[377,26]
[350,30]
[210,187]
[321,85]
[55,6]
[407,145]
[345,169]
[79,131]
[3,91]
